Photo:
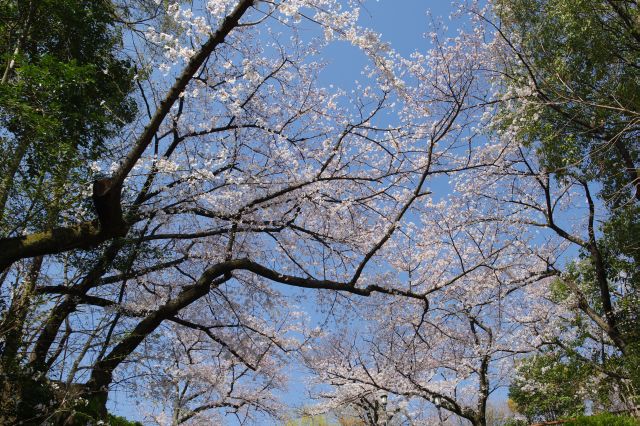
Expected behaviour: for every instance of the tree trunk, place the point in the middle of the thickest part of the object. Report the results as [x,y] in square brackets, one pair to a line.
[12,326]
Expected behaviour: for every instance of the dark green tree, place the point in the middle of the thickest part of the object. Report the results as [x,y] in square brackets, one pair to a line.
[573,69]
[64,92]
[546,387]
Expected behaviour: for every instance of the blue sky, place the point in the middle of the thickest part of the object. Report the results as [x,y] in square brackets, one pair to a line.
[402,23]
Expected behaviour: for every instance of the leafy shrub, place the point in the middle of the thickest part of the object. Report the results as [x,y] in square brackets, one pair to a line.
[604,419]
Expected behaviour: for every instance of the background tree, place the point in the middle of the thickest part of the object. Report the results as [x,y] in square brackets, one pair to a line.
[548,77]
[569,79]
[65,91]
[546,388]
[453,356]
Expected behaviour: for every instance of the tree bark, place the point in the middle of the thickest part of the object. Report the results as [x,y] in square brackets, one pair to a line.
[12,326]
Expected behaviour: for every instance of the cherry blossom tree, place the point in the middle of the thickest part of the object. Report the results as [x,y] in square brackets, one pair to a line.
[554,211]
[563,212]
[244,176]
[410,208]
[458,352]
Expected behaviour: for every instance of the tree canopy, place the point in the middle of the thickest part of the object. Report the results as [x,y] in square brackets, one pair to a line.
[187,213]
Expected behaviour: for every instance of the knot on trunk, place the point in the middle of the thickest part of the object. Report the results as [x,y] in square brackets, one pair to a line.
[107,200]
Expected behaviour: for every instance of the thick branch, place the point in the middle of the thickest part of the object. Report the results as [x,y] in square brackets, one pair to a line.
[585,307]
[229,23]
[103,370]
[57,240]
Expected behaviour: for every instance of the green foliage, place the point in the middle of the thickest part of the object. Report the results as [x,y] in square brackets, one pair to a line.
[80,417]
[582,55]
[603,419]
[546,387]
[630,365]
[66,92]
[575,82]
[514,422]
[23,397]
[621,235]
[121,421]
